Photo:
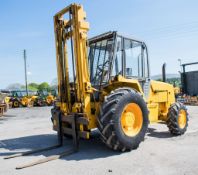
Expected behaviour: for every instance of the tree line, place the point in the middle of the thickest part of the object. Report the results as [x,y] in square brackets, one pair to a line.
[176,82]
[32,86]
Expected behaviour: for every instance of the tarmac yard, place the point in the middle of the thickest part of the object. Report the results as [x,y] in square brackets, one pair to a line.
[25,129]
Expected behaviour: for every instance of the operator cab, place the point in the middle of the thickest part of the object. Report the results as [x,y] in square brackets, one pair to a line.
[111,54]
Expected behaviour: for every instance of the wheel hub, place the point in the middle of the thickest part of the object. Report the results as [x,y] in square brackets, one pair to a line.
[182,118]
[15,103]
[131,119]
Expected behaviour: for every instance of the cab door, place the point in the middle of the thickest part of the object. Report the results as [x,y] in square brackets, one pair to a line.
[136,63]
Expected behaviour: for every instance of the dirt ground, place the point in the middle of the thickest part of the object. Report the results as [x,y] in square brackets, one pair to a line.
[30,128]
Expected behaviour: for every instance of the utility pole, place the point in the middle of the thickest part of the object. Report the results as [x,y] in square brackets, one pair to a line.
[25,65]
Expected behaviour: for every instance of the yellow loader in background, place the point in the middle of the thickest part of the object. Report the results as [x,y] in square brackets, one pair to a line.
[44,98]
[19,98]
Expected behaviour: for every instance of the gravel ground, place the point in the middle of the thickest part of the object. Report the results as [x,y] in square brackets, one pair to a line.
[30,128]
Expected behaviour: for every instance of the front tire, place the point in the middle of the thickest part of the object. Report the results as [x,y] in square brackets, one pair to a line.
[123,119]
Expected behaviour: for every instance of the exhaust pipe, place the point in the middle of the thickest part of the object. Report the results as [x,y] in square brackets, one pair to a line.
[164,72]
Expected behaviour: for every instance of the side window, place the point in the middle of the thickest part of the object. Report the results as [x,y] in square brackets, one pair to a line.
[133,59]
[117,65]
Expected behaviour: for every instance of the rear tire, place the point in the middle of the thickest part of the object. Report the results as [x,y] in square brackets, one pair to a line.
[110,120]
[177,121]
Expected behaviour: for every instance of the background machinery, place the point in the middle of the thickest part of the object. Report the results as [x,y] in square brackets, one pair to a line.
[44,98]
[189,81]
[3,105]
[19,98]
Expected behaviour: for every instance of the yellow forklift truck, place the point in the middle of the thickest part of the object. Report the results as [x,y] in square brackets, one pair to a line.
[108,87]
[111,88]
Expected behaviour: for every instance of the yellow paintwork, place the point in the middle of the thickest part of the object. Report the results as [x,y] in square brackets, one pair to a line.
[34,97]
[131,119]
[123,82]
[25,101]
[50,99]
[182,119]
[161,96]
[177,90]
[7,100]
[79,36]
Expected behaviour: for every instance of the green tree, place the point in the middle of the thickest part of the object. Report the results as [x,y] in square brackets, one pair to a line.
[33,86]
[44,86]
[174,81]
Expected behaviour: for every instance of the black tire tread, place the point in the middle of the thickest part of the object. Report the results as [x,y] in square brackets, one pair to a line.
[105,120]
[172,120]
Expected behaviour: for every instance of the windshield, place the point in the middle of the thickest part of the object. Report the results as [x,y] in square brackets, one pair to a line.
[16,94]
[100,54]
[42,93]
[23,93]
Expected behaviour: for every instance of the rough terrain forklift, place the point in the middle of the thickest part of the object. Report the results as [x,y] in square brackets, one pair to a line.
[108,87]
[111,88]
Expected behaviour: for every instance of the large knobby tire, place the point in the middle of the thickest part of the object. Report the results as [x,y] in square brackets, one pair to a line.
[177,120]
[110,120]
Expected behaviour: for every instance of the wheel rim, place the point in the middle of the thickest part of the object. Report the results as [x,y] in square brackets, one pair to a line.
[131,119]
[182,119]
[15,103]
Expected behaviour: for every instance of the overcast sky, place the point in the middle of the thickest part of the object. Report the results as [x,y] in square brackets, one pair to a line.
[169,28]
